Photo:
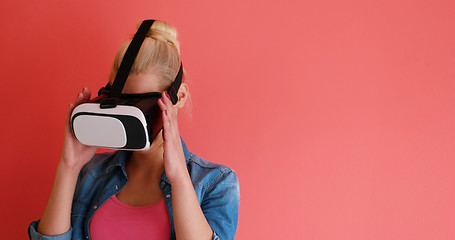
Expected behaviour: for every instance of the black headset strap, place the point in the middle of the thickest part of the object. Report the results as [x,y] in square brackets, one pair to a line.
[173,90]
[128,59]
[127,63]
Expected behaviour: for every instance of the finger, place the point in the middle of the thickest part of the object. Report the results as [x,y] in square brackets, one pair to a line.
[172,111]
[171,117]
[73,105]
[166,107]
[161,104]
[170,121]
[79,99]
[165,121]
[167,99]
[68,130]
[70,111]
[82,97]
[86,94]
[85,97]
[166,126]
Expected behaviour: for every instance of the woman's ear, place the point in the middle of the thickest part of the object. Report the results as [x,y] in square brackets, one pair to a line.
[183,94]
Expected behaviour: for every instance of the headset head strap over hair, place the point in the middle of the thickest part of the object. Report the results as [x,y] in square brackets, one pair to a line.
[127,63]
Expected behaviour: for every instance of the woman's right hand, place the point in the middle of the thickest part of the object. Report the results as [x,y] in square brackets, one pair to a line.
[75,154]
[56,219]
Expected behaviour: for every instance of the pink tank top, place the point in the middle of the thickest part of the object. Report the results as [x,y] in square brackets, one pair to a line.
[116,220]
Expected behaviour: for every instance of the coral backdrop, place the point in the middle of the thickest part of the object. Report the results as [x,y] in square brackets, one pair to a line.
[338,116]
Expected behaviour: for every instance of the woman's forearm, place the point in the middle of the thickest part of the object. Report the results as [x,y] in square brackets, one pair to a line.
[189,220]
[56,218]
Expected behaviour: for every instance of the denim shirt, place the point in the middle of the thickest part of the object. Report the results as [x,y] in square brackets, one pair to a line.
[216,187]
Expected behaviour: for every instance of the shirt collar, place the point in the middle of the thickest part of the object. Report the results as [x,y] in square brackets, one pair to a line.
[118,160]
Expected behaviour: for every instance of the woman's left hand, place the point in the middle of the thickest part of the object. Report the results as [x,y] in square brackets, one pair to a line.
[174,159]
[189,220]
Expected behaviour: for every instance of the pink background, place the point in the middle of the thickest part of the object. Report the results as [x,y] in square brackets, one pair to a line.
[338,116]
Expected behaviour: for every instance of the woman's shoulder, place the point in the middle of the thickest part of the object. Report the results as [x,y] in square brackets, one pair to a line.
[208,174]
[201,162]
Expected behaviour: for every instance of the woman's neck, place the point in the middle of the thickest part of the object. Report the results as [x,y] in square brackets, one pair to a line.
[144,169]
[147,163]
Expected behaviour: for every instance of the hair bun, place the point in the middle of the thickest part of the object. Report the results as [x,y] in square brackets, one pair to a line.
[163,31]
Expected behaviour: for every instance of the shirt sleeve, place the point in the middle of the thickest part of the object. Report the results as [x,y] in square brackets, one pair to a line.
[34,235]
[221,206]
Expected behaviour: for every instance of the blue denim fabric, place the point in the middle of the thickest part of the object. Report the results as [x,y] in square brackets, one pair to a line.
[216,187]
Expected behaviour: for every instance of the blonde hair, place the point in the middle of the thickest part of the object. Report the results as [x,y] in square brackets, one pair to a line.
[159,53]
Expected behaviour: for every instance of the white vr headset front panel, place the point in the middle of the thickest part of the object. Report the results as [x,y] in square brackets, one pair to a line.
[100,127]
[100,131]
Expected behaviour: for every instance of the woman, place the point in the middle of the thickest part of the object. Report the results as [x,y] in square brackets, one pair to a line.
[165,192]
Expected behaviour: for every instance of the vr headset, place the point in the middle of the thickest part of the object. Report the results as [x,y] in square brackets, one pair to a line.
[123,121]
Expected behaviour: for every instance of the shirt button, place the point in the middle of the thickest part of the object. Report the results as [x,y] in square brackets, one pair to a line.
[116,186]
[168,196]
[94,207]
[86,237]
